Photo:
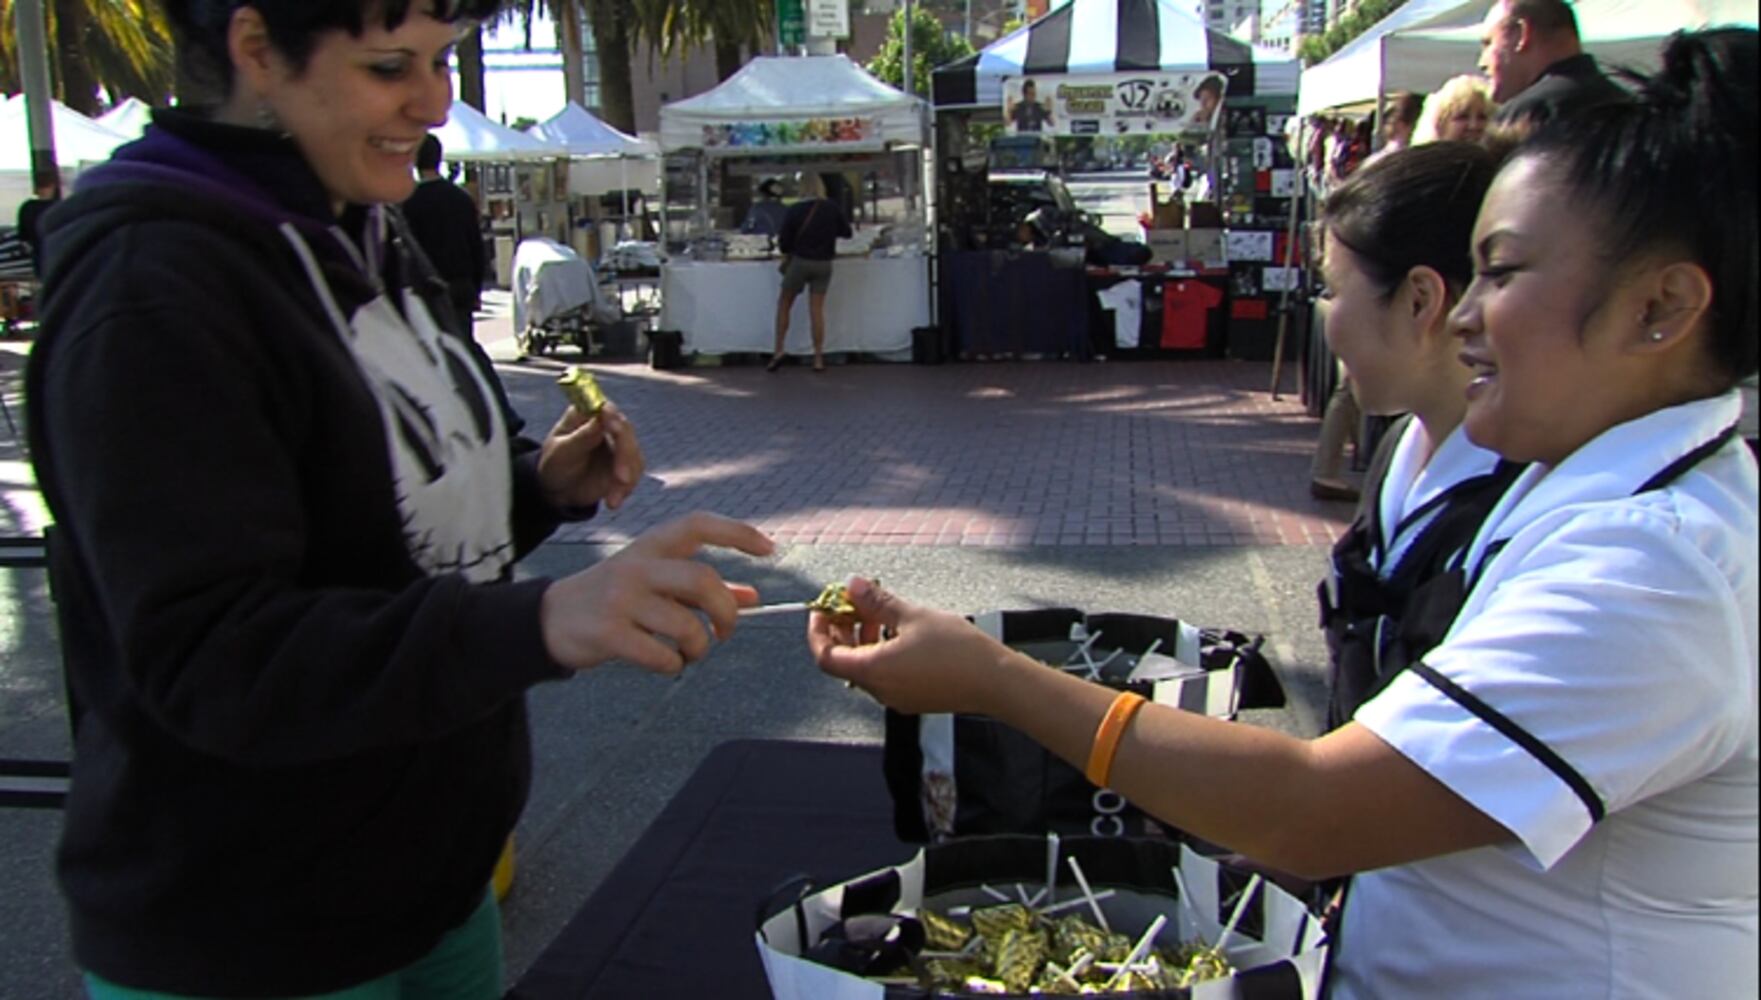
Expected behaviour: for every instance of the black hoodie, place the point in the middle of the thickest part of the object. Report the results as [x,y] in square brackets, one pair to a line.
[286,509]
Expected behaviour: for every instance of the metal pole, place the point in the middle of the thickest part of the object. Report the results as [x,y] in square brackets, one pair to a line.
[33,63]
[969,20]
[908,67]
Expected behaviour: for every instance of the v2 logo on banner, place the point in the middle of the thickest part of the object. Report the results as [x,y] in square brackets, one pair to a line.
[1114,103]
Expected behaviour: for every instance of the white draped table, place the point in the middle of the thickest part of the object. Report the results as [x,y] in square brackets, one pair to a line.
[731,306]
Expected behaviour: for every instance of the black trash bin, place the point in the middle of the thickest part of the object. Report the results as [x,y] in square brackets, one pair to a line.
[927,346]
[666,349]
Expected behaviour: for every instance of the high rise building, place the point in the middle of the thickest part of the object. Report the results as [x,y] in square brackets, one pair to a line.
[1224,15]
[1284,23]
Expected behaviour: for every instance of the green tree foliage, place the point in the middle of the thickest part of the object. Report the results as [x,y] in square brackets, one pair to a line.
[1315,48]
[931,46]
[120,47]
[671,27]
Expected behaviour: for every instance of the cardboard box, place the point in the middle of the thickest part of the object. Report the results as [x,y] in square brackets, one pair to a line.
[1167,246]
[1207,247]
[1169,214]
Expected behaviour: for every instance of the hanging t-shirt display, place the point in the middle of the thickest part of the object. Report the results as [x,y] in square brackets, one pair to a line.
[1125,299]
[1186,311]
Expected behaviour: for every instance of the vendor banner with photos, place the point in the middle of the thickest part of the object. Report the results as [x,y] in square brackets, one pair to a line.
[1102,104]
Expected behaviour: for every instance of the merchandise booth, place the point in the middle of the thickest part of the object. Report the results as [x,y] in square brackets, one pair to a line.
[792,120]
[613,177]
[1112,72]
[521,183]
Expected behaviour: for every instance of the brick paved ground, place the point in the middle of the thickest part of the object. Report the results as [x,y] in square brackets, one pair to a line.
[1011,454]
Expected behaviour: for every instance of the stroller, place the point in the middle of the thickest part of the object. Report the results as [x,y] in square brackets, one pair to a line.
[556,298]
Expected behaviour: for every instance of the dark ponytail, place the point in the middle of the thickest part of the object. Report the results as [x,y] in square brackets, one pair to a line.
[294,26]
[1675,170]
[1413,208]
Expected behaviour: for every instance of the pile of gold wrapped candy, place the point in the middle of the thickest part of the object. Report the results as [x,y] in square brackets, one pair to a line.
[1010,948]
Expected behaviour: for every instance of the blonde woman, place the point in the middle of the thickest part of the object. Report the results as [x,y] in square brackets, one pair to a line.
[1460,110]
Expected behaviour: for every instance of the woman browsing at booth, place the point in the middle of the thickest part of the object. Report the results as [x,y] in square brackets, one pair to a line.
[1560,799]
[287,503]
[1394,262]
[809,242]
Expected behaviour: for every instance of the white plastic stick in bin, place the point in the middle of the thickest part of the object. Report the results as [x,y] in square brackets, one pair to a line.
[1253,886]
[1088,894]
[1137,950]
[1051,867]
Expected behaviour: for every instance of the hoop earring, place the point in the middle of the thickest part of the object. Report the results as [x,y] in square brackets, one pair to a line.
[267,120]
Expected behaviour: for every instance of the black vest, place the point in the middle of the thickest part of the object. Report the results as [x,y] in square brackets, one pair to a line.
[1376,626]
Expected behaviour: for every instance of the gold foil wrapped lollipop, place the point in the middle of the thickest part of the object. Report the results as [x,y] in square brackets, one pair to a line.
[582,389]
[1019,958]
[834,602]
[943,933]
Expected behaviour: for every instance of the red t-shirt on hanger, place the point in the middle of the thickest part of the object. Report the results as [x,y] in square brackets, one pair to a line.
[1186,309]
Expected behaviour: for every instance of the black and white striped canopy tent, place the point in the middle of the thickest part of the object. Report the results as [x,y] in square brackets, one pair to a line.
[1113,36]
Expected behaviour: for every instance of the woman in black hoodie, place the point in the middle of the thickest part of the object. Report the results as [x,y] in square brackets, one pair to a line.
[287,502]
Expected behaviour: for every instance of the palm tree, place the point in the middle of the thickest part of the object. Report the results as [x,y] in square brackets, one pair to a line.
[672,26]
[612,22]
[122,47]
[469,52]
[614,35]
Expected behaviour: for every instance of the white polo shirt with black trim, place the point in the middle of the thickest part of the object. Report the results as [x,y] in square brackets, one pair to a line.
[1597,697]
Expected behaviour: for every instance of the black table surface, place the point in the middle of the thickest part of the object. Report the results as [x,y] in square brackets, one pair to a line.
[676,917]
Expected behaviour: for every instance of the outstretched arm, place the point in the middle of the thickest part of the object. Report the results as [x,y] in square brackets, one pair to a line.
[1342,803]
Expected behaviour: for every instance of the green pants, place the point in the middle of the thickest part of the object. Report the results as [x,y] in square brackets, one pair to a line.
[465,965]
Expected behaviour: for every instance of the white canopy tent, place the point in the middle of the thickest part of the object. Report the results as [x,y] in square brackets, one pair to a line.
[78,140]
[1426,42]
[602,158]
[129,118]
[579,133]
[774,104]
[470,135]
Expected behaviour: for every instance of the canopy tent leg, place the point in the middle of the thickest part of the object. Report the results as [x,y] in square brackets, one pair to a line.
[1290,233]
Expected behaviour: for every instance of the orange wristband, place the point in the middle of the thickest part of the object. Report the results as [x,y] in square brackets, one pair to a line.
[1106,745]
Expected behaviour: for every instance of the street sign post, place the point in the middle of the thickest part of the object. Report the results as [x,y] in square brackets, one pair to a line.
[828,18]
[791,24]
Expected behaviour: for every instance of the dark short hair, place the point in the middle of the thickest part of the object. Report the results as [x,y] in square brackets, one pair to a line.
[428,155]
[1407,107]
[1548,15]
[1414,208]
[1674,170]
[1214,84]
[770,186]
[294,26]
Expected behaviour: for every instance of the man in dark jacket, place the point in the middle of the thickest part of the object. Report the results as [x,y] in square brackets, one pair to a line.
[443,217]
[1539,70]
[30,216]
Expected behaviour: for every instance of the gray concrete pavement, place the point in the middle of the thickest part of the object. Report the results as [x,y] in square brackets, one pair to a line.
[613,745]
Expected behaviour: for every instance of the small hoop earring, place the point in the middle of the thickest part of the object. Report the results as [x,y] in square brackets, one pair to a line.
[266,118]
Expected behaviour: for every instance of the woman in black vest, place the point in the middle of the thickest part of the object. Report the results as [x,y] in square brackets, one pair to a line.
[1395,261]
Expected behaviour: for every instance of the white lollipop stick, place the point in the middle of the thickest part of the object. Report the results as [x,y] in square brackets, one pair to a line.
[1088,894]
[1253,886]
[1137,950]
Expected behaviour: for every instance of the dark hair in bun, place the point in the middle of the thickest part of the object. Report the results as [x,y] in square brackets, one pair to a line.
[1675,168]
[294,26]
[1413,208]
